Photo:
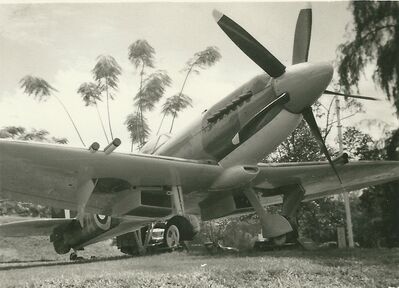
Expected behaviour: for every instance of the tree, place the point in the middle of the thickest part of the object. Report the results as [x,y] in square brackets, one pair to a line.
[152,91]
[376,43]
[137,128]
[152,87]
[172,106]
[141,54]
[91,93]
[41,90]
[106,73]
[201,60]
[20,133]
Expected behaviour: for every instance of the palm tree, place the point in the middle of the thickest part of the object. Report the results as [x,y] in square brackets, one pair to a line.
[152,91]
[91,93]
[141,54]
[137,128]
[152,87]
[106,72]
[41,90]
[201,60]
[172,106]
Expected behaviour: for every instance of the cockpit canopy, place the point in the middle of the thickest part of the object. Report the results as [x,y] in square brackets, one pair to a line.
[155,143]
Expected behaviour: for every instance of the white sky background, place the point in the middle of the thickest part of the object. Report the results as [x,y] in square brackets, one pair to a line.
[60,43]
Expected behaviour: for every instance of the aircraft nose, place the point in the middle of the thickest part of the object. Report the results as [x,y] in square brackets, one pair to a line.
[305,83]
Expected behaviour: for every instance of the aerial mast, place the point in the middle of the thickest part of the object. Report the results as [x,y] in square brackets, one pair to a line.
[345,193]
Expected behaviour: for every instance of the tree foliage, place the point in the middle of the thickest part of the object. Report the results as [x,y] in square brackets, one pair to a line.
[20,133]
[106,72]
[152,87]
[141,53]
[137,127]
[201,60]
[376,42]
[91,94]
[39,88]
[152,91]
[41,91]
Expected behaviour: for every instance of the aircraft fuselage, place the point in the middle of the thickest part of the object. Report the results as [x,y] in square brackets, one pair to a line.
[213,136]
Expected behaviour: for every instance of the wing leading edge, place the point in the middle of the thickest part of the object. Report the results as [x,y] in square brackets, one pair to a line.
[318,180]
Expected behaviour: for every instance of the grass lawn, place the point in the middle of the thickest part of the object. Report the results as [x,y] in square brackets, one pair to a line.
[294,268]
[32,262]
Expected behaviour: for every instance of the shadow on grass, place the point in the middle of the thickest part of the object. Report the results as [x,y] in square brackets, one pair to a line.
[47,263]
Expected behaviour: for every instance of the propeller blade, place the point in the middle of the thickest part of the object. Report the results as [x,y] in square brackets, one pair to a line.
[309,118]
[328,92]
[249,45]
[303,31]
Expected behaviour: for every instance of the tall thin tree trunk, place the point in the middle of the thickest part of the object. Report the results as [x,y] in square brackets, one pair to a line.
[141,135]
[181,92]
[173,122]
[70,118]
[131,146]
[109,116]
[102,123]
[160,125]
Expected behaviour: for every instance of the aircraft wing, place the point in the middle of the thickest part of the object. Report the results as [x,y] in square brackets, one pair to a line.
[318,180]
[36,227]
[49,174]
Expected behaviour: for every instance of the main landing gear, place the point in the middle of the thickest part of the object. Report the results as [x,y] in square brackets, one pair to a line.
[179,228]
[278,229]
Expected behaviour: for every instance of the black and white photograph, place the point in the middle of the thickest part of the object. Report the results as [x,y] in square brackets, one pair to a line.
[199,144]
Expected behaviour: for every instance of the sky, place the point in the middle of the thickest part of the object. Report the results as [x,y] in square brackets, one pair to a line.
[60,43]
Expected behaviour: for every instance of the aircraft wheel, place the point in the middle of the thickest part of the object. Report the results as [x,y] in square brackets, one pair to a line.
[73,256]
[172,236]
[280,240]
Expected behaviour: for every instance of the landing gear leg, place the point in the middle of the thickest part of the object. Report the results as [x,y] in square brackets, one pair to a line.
[143,245]
[291,202]
[273,225]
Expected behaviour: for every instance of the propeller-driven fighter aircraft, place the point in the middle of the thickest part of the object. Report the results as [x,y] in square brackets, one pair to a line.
[210,170]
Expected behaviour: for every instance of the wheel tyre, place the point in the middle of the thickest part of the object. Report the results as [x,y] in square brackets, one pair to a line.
[172,236]
[73,256]
[280,240]
[184,226]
